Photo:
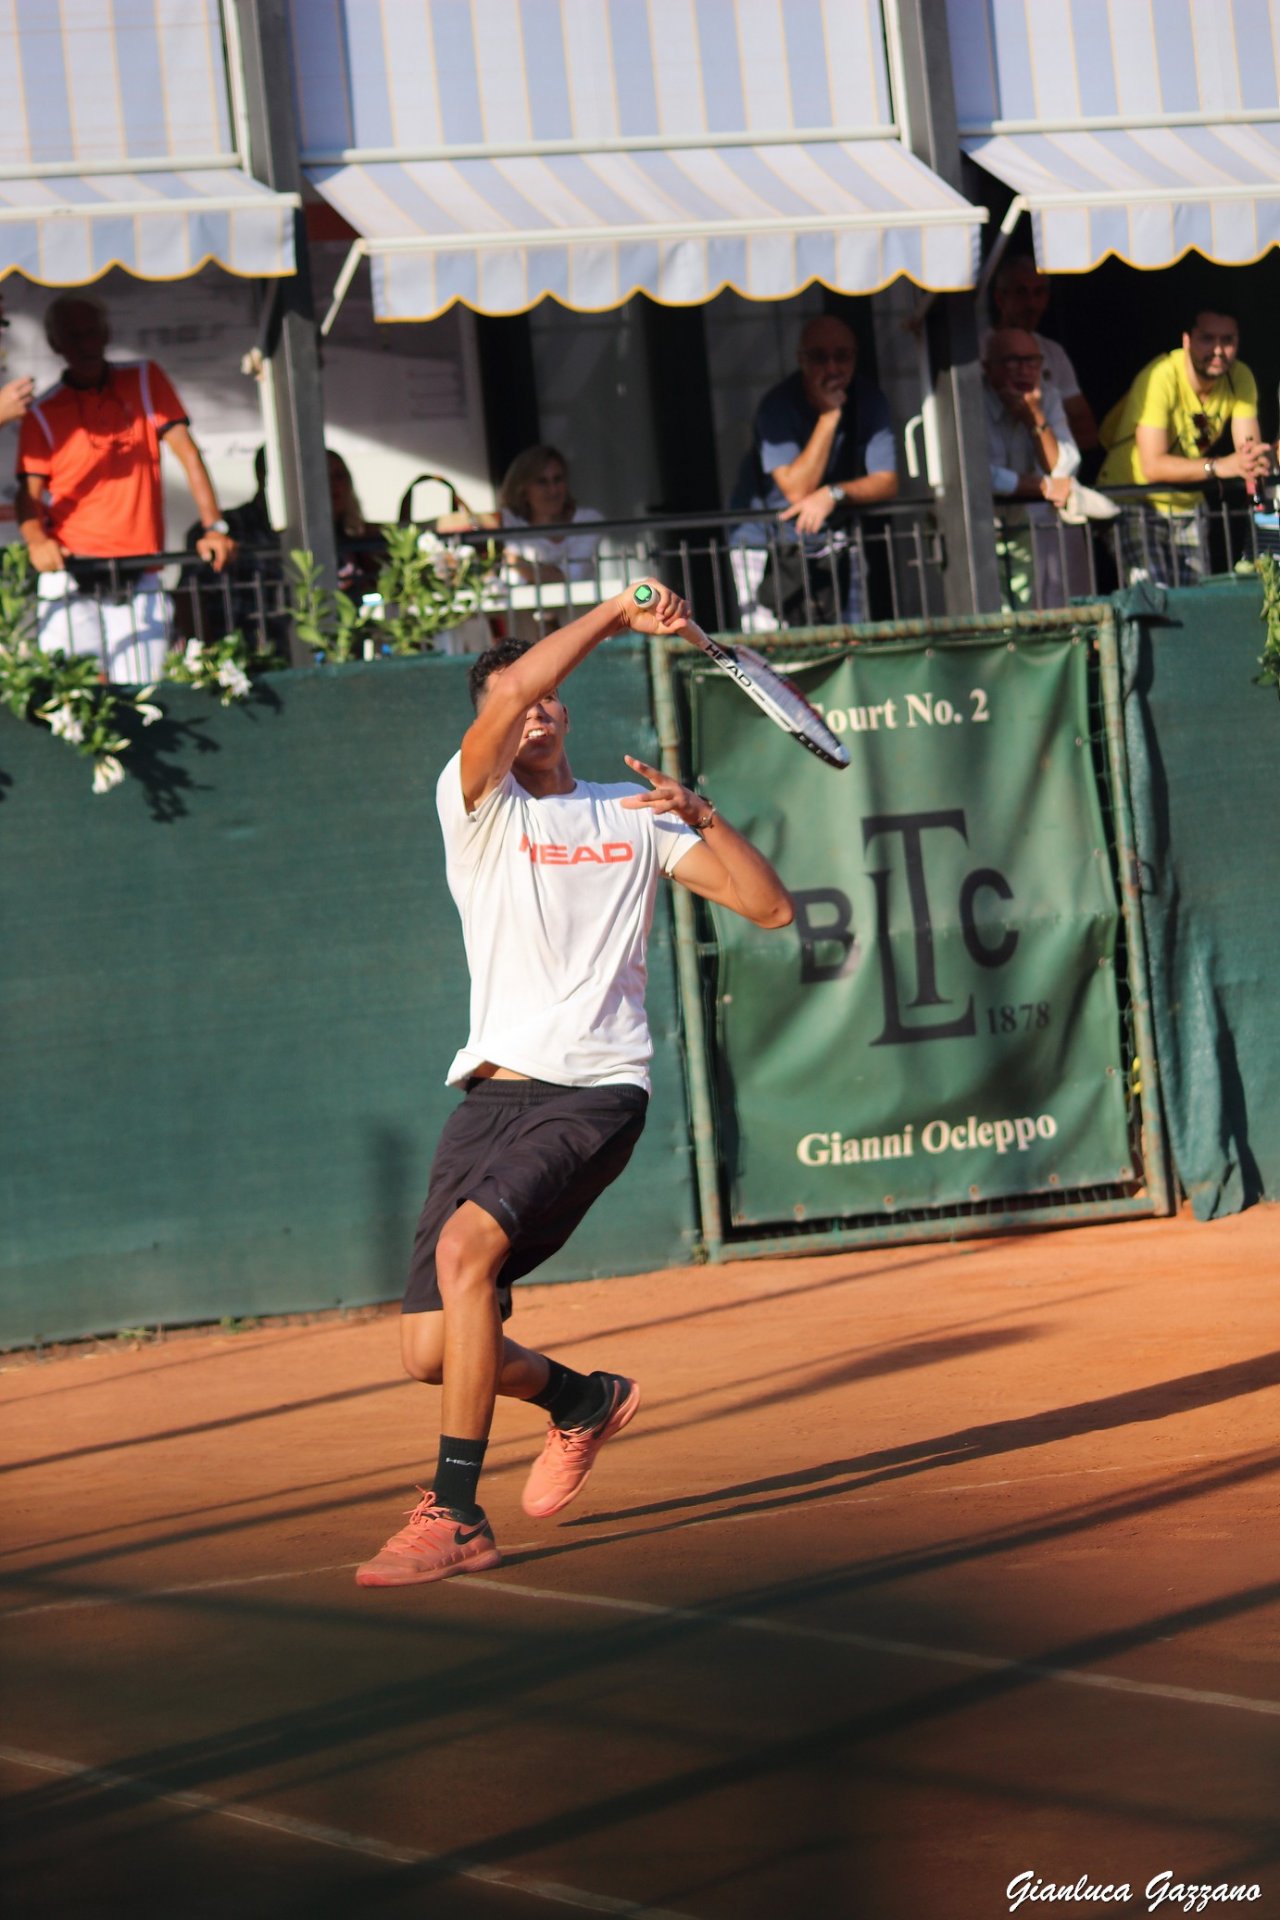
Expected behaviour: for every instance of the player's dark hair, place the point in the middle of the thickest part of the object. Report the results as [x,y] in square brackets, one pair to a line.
[493,660]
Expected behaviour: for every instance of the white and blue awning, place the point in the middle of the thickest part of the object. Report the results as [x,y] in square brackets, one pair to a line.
[116,147]
[1138,128]
[495,152]
[592,229]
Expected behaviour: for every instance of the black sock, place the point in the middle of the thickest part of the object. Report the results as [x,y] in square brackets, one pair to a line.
[572,1399]
[458,1474]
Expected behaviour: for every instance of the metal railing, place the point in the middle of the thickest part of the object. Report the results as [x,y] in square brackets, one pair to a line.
[1046,562]
[133,612]
[739,573]
[742,573]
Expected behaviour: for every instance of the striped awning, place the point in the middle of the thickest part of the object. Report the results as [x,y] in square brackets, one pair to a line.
[497,151]
[116,147]
[1130,127]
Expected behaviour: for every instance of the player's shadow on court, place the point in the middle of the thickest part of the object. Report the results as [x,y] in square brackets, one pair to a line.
[1160,1402]
[244,1419]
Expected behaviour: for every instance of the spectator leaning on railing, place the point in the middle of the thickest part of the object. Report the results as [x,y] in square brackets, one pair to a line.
[824,444]
[1032,455]
[1019,297]
[1165,430]
[89,489]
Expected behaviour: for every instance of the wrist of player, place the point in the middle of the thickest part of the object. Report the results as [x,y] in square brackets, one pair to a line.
[701,813]
[640,596]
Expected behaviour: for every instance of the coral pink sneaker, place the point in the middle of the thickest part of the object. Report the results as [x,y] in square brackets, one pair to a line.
[560,1472]
[437,1542]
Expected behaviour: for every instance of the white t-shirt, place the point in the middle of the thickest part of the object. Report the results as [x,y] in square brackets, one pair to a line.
[556,900]
[574,555]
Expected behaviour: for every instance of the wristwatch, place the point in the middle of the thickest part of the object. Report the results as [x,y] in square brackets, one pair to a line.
[837,493]
[1211,468]
[217,526]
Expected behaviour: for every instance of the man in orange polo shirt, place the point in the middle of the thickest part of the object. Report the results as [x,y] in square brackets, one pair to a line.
[89,489]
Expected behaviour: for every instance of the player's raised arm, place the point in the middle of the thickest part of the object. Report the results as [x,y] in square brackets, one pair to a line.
[491,742]
[724,867]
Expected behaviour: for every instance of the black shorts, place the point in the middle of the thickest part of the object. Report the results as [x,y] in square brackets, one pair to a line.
[533,1155]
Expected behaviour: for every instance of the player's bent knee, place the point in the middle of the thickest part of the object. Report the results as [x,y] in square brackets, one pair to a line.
[426,1369]
[422,1347]
[468,1280]
[469,1253]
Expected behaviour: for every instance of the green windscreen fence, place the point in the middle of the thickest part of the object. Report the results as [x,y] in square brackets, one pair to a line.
[1204,755]
[945,1033]
[230,991]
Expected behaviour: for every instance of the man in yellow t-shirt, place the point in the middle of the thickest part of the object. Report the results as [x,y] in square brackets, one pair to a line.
[1165,429]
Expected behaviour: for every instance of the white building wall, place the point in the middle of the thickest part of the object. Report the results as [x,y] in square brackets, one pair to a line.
[399,400]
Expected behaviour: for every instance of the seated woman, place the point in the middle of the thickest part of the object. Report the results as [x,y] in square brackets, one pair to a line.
[535,493]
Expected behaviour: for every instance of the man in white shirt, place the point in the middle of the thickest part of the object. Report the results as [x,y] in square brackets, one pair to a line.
[555,880]
[1033,458]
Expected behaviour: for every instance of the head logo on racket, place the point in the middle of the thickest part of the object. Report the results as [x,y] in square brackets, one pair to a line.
[780,698]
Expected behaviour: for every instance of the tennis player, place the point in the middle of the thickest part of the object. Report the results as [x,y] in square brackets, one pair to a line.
[555,880]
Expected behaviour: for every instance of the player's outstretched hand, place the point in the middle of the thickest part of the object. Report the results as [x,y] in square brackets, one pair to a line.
[668,795]
[649,607]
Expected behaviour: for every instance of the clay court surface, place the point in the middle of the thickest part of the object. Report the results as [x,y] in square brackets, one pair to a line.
[919,1568]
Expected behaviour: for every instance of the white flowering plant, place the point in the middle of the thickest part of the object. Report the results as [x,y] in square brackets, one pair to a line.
[64,692]
[221,667]
[424,587]
[427,586]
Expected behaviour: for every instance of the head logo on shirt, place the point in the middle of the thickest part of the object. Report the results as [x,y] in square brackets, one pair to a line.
[545,853]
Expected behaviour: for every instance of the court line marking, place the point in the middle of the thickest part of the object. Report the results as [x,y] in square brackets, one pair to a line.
[904,1649]
[143,1595]
[338,1837]
[745,1623]
[529,1546]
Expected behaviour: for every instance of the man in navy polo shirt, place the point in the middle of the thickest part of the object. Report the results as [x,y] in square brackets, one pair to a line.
[824,447]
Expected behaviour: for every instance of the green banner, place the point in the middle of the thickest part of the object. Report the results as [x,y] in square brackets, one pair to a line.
[941,1023]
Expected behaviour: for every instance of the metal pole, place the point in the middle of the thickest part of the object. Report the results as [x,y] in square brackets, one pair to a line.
[1155,1145]
[689,974]
[971,581]
[298,455]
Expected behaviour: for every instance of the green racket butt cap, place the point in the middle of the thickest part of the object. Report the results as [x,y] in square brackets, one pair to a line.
[643,595]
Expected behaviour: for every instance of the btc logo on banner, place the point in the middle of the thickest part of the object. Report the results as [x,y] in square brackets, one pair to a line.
[945,1008]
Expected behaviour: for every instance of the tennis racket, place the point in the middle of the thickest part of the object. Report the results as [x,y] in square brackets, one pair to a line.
[775,695]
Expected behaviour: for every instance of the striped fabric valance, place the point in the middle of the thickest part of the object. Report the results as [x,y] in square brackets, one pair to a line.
[592,229]
[1140,128]
[116,146]
[497,151]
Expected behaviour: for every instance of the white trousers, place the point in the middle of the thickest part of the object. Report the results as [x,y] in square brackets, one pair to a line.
[130,634]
